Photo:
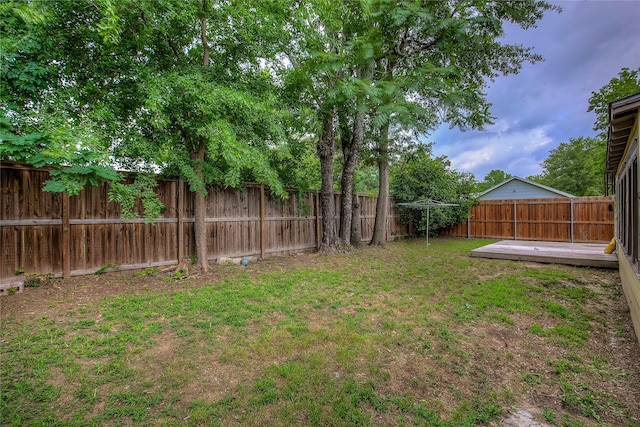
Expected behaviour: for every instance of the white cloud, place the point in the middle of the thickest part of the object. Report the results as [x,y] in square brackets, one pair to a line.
[501,146]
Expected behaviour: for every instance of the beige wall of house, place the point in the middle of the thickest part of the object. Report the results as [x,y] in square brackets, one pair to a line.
[631,287]
[630,273]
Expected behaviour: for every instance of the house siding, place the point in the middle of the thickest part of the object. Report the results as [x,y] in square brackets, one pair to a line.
[631,288]
[518,190]
[628,266]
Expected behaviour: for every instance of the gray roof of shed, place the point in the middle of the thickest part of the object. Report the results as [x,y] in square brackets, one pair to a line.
[526,181]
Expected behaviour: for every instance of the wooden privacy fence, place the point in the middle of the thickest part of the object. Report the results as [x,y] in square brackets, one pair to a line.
[579,219]
[44,232]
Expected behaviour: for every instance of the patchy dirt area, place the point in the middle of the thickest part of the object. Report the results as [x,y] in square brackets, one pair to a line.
[58,295]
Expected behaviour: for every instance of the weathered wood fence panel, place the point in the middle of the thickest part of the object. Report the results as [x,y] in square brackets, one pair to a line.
[99,236]
[367,216]
[64,235]
[31,219]
[580,219]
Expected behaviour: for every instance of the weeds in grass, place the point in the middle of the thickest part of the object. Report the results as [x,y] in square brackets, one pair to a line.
[549,415]
[146,272]
[532,378]
[106,267]
[581,398]
[35,280]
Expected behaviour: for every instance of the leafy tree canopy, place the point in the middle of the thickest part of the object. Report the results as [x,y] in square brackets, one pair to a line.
[198,89]
[417,175]
[575,167]
[96,86]
[493,178]
[627,83]
[433,62]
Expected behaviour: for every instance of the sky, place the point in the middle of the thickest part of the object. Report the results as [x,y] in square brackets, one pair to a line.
[584,47]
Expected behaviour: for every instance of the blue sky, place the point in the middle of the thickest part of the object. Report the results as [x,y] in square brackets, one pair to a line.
[584,47]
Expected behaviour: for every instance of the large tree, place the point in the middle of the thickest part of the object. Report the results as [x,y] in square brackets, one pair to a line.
[433,60]
[418,175]
[329,77]
[576,167]
[184,87]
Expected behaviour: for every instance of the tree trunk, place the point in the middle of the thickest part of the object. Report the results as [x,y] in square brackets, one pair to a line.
[351,151]
[356,229]
[203,34]
[200,210]
[326,151]
[380,227]
[200,230]
[200,201]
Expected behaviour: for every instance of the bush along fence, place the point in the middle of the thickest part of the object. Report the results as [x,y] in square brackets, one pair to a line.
[56,234]
[579,219]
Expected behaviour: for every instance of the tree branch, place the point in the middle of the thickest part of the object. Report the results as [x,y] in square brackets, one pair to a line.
[203,35]
[176,52]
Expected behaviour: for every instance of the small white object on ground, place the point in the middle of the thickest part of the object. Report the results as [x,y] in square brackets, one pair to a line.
[522,418]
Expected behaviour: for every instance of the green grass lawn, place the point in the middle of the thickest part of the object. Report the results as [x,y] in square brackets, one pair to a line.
[399,336]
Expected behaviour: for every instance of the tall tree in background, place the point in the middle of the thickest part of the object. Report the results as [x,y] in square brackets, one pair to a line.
[575,167]
[428,64]
[329,76]
[627,83]
[493,178]
[214,112]
[316,59]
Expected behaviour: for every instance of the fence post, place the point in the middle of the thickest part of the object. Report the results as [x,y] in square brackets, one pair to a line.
[468,227]
[572,221]
[515,221]
[263,230]
[318,221]
[387,221]
[180,212]
[66,240]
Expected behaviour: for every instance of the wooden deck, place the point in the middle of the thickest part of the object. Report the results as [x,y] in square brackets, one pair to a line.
[582,254]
